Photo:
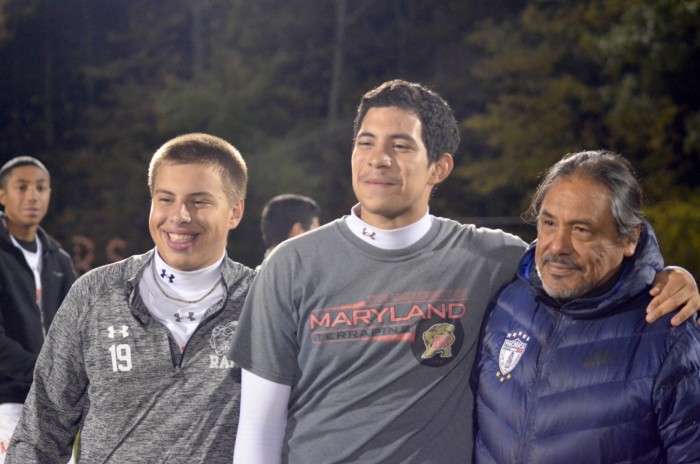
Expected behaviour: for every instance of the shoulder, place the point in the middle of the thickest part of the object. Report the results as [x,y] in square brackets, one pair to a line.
[679,347]
[316,240]
[237,275]
[326,232]
[483,235]
[687,335]
[489,243]
[118,274]
[48,242]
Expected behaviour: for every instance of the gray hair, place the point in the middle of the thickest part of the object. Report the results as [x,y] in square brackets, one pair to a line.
[608,169]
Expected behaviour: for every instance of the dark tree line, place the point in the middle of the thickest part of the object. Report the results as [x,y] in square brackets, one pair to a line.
[93,87]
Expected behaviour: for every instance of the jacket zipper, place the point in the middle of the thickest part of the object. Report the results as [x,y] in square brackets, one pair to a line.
[178,367]
[542,363]
[42,317]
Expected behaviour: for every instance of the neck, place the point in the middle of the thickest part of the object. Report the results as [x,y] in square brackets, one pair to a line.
[187,283]
[606,286]
[25,233]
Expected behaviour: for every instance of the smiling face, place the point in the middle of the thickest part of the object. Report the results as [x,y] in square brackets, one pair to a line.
[391,175]
[26,199]
[191,215]
[577,242]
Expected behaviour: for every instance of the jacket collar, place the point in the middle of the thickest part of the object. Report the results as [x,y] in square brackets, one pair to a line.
[47,242]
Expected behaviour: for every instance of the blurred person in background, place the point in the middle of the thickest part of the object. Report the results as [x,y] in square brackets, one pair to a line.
[286,216]
[35,276]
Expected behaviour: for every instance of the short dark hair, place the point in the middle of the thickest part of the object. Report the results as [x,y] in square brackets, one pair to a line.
[282,212]
[206,149]
[440,131]
[608,169]
[7,168]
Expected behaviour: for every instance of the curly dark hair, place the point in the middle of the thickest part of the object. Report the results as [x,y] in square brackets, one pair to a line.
[440,131]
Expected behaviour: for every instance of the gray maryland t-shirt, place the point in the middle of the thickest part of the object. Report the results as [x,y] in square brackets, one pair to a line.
[376,344]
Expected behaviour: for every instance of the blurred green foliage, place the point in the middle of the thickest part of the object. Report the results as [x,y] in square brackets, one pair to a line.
[94,87]
[677,224]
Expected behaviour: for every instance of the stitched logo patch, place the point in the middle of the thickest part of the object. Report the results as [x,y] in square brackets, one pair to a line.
[512,350]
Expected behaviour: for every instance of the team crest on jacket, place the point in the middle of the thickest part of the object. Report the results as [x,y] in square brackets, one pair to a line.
[511,351]
[220,341]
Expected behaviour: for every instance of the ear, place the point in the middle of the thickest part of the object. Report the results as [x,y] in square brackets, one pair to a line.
[297,229]
[631,244]
[441,169]
[2,197]
[236,214]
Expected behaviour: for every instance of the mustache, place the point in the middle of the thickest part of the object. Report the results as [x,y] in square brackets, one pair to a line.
[561,260]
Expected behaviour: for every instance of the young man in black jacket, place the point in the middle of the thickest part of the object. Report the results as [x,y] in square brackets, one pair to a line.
[35,275]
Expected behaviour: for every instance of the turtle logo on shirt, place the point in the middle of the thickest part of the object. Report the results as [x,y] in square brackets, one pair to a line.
[512,351]
[438,339]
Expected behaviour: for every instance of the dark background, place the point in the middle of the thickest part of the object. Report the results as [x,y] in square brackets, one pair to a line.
[94,87]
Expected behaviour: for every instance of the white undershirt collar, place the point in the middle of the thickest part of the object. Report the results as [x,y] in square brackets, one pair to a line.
[188,285]
[180,318]
[393,239]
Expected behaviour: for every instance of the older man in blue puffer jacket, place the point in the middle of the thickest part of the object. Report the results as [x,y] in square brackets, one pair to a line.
[568,370]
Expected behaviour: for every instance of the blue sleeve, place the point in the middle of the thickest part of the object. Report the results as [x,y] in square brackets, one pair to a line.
[677,396]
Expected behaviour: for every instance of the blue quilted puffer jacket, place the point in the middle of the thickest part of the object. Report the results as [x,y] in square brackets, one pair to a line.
[587,381]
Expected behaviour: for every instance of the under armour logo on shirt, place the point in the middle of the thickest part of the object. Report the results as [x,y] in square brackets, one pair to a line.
[111,331]
[165,275]
[179,318]
[371,235]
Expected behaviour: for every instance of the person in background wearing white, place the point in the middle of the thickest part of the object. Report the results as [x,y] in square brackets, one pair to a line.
[35,276]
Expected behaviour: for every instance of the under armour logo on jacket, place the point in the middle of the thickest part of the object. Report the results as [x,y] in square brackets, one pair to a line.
[179,318]
[124,331]
[165,275]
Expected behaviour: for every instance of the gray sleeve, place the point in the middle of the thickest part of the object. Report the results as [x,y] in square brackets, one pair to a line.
[265,342]
[53,410]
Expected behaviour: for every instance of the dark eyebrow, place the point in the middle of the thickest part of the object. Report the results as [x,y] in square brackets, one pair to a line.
[163,192]
[402,136]
[189,195]
[584,222]
[398,136]
[28,181]
[365,134]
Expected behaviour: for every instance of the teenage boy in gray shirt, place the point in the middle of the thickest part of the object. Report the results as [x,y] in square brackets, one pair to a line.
[136,355]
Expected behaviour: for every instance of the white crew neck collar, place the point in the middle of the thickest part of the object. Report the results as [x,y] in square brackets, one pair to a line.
[394,239]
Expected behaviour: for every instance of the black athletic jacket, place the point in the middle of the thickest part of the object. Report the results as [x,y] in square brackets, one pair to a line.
[22,324]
